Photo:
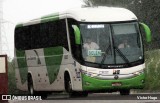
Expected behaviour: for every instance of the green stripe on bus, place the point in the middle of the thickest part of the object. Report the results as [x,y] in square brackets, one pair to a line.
[19,25]
[48,18]
[22,65]
[53,58]
[51,15]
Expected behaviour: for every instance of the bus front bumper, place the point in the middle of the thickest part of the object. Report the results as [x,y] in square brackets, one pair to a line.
[93,84]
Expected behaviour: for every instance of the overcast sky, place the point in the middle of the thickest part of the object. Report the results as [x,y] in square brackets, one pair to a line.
[16,11]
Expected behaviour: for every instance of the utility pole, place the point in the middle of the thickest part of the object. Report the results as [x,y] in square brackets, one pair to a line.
[4,49]
[1,18]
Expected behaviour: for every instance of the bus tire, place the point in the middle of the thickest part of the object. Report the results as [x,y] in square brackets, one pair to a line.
[125,92]
[75,94]
[83,94]
[31,90]
[68,84]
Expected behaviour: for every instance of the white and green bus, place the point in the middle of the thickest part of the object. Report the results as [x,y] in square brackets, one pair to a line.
[50,54]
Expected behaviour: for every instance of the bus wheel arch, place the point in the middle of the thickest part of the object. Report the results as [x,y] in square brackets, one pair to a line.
[69,87]
[31,90]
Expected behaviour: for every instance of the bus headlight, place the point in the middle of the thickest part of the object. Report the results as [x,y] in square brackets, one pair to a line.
[138,72]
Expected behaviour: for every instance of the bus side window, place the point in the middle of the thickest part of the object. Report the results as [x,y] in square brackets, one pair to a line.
[62,34]
[44,35]
[22,38]
[75,48]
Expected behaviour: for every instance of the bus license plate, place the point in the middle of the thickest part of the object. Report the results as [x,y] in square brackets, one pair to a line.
[116,84]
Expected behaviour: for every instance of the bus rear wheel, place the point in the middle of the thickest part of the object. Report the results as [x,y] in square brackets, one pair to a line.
[30,86]
[31,90]
[125,92]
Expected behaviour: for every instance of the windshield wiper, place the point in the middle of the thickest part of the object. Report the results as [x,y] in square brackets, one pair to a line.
[122,55]
[104,57]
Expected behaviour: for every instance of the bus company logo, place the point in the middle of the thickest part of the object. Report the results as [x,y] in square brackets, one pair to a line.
[116,77]
[116,71]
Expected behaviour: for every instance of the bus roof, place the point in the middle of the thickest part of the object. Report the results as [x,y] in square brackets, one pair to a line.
[101,14]
[88,14]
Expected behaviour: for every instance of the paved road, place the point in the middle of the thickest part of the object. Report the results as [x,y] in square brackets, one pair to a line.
[99,98]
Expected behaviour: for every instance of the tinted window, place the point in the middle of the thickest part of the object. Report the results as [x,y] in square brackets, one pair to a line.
[72,36]
[22,38]
[49,34]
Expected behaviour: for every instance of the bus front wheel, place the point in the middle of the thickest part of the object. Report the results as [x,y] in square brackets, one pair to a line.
[68,87]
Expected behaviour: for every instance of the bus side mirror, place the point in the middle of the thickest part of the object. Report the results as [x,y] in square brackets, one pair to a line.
[77,34]
[147,31]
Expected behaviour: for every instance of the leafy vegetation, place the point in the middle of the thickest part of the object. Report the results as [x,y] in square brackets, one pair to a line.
[12,88]
[152,70]
[11,78]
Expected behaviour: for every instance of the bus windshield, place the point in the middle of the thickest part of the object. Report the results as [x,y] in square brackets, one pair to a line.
[111,43]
